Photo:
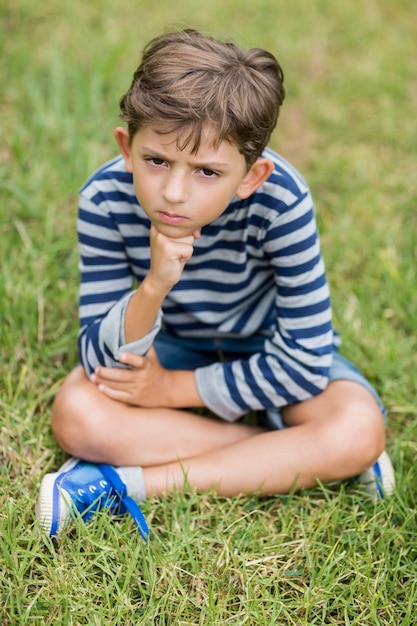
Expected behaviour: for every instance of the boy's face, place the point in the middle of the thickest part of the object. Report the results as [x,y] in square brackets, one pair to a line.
[179,191]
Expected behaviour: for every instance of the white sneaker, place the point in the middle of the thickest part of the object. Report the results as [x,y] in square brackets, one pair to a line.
[379,480]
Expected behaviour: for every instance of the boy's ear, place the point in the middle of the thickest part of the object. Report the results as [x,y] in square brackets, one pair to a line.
[258,173]
[122,137]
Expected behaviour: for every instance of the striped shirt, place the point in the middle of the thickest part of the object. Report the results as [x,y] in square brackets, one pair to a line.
[256,270]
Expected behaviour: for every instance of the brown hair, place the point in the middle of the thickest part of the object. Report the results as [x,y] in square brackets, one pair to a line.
[187,80]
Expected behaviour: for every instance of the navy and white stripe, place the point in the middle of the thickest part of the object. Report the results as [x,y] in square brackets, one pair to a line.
[256,269]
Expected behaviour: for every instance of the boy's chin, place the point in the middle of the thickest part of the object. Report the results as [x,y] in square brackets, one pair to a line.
[179,230]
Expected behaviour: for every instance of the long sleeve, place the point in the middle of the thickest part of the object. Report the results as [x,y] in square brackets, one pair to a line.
[106,225]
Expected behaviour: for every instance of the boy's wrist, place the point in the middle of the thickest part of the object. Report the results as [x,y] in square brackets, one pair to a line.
[182,391]
[153,290]
[142,311]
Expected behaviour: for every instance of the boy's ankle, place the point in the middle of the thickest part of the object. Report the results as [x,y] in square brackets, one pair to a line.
[133,478]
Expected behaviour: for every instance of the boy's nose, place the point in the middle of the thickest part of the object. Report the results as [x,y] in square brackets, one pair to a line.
[175,188]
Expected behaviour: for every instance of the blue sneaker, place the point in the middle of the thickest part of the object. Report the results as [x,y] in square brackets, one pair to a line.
[379,480]
[81,488]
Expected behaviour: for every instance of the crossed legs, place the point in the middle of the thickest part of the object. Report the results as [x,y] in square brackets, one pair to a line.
[335,435]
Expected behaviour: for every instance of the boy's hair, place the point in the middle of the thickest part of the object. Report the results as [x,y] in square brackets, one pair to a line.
[187,81]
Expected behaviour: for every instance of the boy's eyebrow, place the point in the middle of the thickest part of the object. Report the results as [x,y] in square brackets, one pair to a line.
[148,150]
[211,165]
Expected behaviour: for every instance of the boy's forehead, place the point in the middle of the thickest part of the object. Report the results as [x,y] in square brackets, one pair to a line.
[207,134]
[185,140]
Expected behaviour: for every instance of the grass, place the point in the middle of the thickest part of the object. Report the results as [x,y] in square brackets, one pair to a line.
[327,556]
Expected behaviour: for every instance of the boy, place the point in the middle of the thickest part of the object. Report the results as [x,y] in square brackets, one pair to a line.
[231,310]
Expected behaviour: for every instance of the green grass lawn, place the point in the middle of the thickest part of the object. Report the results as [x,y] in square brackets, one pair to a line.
[327,556]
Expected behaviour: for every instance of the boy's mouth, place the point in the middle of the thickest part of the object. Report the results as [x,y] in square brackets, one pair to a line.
[171,218]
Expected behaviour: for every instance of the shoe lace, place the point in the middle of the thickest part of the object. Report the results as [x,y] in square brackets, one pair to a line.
[127,504]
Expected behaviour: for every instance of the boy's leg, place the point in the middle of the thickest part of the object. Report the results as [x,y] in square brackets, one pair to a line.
[338,434]
[93,427]
[335,435]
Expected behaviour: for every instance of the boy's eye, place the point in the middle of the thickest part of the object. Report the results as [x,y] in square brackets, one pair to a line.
[208,173]
[155,161]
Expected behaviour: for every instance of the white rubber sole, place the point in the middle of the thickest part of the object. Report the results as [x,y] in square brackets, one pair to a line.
[44,509]
[379,480]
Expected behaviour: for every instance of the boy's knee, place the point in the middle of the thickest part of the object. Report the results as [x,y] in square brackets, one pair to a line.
[362,436]
[72,415]
[65,419]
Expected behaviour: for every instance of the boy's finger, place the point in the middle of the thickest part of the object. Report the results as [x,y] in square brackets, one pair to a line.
[115,374]
[114,394]
[135,360]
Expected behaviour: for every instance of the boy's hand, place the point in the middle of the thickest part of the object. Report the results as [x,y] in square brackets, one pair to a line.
[145,384]
[168,257]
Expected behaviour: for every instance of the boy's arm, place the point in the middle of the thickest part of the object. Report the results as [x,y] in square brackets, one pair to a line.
[109,226]
[147,383]
[294,363]
[168,257]
[113,318]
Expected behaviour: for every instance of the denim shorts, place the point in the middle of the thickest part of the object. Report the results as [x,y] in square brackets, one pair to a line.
[189,354]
